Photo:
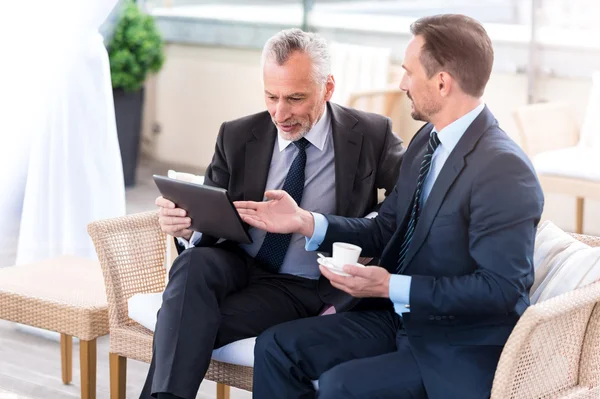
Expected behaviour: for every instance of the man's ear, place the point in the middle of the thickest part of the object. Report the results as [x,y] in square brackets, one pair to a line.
[445,83]
[329,87]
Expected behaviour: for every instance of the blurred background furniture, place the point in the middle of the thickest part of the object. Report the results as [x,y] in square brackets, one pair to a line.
[391,102]
[357,68]
[564,330]
[65,295]
[363,75]
[566,156]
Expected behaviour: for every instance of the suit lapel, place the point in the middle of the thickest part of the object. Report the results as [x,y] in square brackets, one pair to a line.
[406,191]
[259,151]
[347,144]
[449,173]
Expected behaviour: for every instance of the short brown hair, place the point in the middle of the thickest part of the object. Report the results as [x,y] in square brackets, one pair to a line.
[459,45]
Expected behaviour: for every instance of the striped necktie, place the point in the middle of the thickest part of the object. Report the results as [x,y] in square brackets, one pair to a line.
[274,246]
[433,143]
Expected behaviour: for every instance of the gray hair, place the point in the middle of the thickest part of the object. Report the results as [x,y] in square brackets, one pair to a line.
[280,47]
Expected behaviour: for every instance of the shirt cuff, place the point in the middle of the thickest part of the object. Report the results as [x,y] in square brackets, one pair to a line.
[192,242]
[400,290]
[321,225]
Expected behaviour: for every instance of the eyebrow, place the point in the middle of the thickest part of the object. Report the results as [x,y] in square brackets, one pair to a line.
[288,96]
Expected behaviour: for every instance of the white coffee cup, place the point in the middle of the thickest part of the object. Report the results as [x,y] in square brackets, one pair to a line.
[345,254]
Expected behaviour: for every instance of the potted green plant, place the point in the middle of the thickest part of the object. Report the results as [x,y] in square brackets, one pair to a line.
[135,50]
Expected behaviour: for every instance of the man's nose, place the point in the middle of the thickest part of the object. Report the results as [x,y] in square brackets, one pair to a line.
[282,112]
[403,83]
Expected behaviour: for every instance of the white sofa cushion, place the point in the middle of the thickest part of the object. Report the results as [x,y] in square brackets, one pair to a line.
[143,308]
[578,162]
[562,263]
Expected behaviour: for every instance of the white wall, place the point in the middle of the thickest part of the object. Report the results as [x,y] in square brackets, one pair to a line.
[196,91]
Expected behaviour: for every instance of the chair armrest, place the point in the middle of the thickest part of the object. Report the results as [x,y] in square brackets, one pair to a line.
[542,355]
[546,127]
[131,251]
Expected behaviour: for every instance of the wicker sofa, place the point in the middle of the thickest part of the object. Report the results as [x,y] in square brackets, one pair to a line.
[553,352]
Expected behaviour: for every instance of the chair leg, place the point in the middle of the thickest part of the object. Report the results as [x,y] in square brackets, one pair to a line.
[222,391]
[66,357]
[87,357]
[118,376]
[579,215]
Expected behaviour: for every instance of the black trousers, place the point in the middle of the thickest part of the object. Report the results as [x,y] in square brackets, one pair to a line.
[362,354]
[215,296]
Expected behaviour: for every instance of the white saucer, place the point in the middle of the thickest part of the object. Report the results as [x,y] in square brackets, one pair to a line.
[329,263]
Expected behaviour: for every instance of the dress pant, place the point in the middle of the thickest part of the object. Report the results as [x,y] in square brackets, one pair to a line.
[215,296]
[362,354]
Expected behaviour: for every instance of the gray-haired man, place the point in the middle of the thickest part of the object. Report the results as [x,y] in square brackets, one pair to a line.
[331,159]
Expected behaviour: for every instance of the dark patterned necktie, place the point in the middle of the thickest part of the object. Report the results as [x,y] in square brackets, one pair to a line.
[274,247]
[433,143]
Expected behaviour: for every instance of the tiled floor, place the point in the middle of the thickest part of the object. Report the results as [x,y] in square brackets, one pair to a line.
[30,363]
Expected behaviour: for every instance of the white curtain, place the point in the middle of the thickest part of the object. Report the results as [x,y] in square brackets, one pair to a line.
[60,165]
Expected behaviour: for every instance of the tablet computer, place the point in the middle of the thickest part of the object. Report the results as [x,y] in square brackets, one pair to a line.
[210,208]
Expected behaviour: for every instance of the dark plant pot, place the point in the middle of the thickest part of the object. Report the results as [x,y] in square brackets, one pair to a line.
[128,113]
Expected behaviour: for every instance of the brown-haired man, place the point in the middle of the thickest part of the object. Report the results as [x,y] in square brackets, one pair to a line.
[455,240]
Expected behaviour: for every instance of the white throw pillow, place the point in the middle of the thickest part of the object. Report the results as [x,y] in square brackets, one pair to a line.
[562,263]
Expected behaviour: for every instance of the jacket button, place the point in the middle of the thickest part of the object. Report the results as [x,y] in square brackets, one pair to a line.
[451,317]
[438,317]
[444,317]
[432,317]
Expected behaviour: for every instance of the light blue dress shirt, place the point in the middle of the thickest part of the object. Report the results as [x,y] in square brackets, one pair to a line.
[319,194]
[449,136]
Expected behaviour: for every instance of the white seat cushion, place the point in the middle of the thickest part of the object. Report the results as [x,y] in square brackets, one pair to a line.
[143,308]
[239,352]
[577,162]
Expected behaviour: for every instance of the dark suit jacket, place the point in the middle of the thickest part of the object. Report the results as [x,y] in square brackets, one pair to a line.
[367,157]
[471,257]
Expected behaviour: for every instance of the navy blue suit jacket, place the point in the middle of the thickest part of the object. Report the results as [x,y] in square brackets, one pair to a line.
[471,257]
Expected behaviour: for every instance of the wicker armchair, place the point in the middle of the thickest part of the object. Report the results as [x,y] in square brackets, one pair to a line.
[554,351]
[131,250]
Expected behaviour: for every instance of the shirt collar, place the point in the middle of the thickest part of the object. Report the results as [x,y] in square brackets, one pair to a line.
[316,136]
[451,134]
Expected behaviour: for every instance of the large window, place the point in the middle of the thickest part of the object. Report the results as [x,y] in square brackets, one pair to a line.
[581,14]
[556,37]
